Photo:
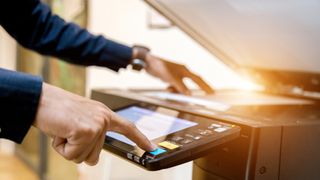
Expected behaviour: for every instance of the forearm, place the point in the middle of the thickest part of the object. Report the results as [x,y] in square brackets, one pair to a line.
[33,25]
[19,94]
[79,128]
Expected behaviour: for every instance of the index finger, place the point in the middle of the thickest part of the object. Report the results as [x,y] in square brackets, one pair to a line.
[128,129]
[200,82]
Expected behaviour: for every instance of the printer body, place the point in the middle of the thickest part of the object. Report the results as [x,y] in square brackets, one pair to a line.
[274,43]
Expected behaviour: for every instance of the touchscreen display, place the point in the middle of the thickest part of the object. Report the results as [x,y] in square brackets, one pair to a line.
[151,123]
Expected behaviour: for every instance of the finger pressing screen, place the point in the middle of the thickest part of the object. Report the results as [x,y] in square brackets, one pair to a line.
[129,130]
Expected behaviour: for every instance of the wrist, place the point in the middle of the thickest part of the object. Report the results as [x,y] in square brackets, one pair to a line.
[47,102]
[140,52]
[134,53]
[139,57]
[37,121]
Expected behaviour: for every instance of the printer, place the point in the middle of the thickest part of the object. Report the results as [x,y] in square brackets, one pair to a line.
[275,43]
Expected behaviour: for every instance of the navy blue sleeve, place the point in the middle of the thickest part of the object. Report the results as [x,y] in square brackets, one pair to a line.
[33,25]
[19,98]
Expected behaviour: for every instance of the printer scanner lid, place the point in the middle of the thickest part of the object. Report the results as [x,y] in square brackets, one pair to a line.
[275,42]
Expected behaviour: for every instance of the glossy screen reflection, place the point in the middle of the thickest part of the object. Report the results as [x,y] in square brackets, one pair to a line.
[151,123]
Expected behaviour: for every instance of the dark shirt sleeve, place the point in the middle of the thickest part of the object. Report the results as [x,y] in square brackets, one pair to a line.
[19,98]
[33,25]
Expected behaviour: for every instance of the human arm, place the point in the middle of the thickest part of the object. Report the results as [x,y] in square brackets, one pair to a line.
[19,97]
[78,125]
[33,25]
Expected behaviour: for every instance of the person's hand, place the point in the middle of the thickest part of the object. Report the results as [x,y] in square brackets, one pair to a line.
[78,125]
[174,74]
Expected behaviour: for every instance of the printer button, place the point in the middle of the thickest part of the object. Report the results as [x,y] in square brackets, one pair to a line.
[169,145]
[205,132]
[130,156]
[193,136]
[177,138]
[186,141]
[157,151]
[137,159]
[143,162]
[222,129]
[214,125]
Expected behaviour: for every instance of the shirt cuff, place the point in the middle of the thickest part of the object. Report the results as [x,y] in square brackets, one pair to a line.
[20,94]
[115,56]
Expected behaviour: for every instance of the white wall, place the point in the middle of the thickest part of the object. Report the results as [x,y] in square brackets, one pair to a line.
[7,61]
[125,21]
[7,51]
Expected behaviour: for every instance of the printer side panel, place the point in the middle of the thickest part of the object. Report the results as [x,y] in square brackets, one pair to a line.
[267,159]
[253,156]
[228,161]
[300,157]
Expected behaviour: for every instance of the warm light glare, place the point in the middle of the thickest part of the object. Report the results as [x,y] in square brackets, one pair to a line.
[246,84]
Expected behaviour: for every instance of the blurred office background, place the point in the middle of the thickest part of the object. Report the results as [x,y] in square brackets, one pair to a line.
[127,21]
